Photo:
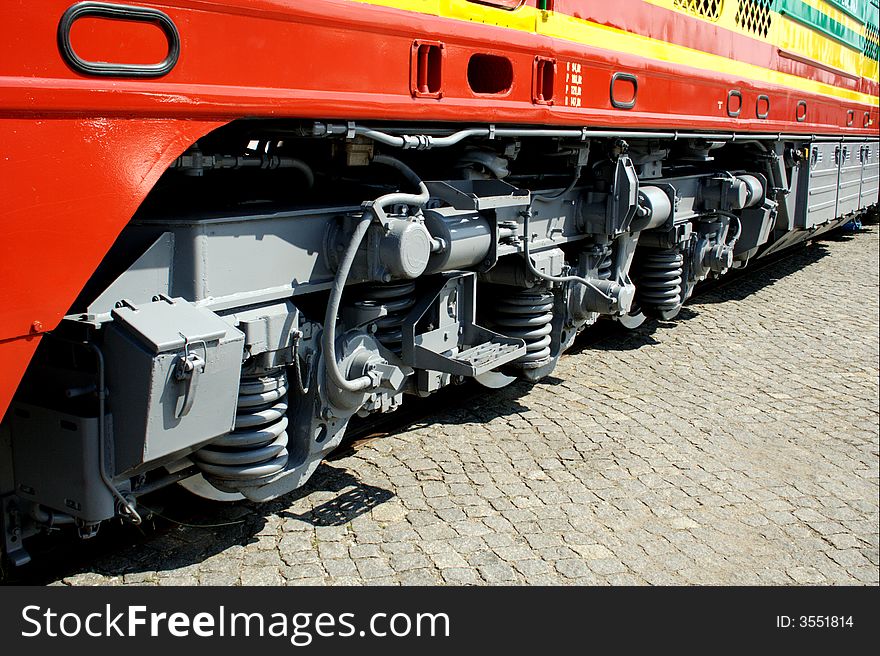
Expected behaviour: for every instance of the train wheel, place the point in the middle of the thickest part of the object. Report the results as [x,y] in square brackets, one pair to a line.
[494,379]
[198,486]
[668,315]
[632,320]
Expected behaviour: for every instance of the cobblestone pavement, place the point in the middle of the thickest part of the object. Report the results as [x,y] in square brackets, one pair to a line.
[736,445]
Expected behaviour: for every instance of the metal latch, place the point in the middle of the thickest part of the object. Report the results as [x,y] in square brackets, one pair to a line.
[187,370]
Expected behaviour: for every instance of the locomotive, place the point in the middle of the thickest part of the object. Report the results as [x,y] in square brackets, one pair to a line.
[230,226]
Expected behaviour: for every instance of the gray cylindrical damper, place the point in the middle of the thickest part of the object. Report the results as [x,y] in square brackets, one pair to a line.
[656,201]
[718,195]
[754,189]
[405,248]
[608,297]
[738,194]
[466,237]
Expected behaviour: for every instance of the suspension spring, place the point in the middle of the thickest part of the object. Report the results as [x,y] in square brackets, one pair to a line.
[660,279]
[605,265]
[257,447]
[397,298]
[527,315]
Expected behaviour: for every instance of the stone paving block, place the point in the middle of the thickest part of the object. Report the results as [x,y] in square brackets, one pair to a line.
[460,575]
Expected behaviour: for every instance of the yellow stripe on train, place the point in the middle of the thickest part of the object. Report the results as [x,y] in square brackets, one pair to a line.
[569,28]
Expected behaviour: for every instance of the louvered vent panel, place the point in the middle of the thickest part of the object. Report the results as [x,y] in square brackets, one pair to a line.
[754,16]
[709,9]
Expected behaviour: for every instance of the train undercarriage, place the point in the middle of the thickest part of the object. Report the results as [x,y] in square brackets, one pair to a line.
[286,276]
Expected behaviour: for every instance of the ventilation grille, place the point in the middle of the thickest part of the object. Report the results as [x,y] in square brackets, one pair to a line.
[709,9]
[510,5]
[754,16]
[872,42]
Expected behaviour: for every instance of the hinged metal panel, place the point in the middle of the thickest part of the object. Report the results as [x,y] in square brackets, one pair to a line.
[870,174]
[817,188]
[850,180]
[168,324]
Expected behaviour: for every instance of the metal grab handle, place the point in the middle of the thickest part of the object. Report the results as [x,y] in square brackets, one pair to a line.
[734,93]
[626,77]
[121,13]
[187,372]
[189,366]
[766,100]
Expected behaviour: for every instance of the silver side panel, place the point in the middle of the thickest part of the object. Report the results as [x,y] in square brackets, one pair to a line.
[818,197]
[870,155]
[850,180]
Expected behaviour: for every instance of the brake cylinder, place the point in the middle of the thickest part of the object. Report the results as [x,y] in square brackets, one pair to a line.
[465,239]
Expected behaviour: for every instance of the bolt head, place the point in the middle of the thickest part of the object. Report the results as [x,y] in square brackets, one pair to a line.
[37,326]
[727,257]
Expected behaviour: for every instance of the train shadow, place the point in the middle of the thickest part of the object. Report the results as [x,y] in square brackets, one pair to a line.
[611,336]
[355,499]
[182,531]
[459,404]
[749,281]
[481,404]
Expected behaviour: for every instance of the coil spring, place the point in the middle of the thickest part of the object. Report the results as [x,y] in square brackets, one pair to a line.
[527,315]
[660,278]
[605,266]
[397,298]
[257,447]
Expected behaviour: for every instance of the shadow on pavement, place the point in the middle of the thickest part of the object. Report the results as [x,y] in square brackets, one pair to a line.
[184,530]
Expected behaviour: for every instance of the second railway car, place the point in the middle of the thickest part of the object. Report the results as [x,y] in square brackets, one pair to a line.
[230,227]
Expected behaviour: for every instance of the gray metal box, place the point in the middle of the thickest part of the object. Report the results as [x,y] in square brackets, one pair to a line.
[817,188]
[156,416]
[56,460]
[870,156]
[850,178]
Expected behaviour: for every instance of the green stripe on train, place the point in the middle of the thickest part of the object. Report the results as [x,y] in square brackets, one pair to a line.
[822,22]
[853,8]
